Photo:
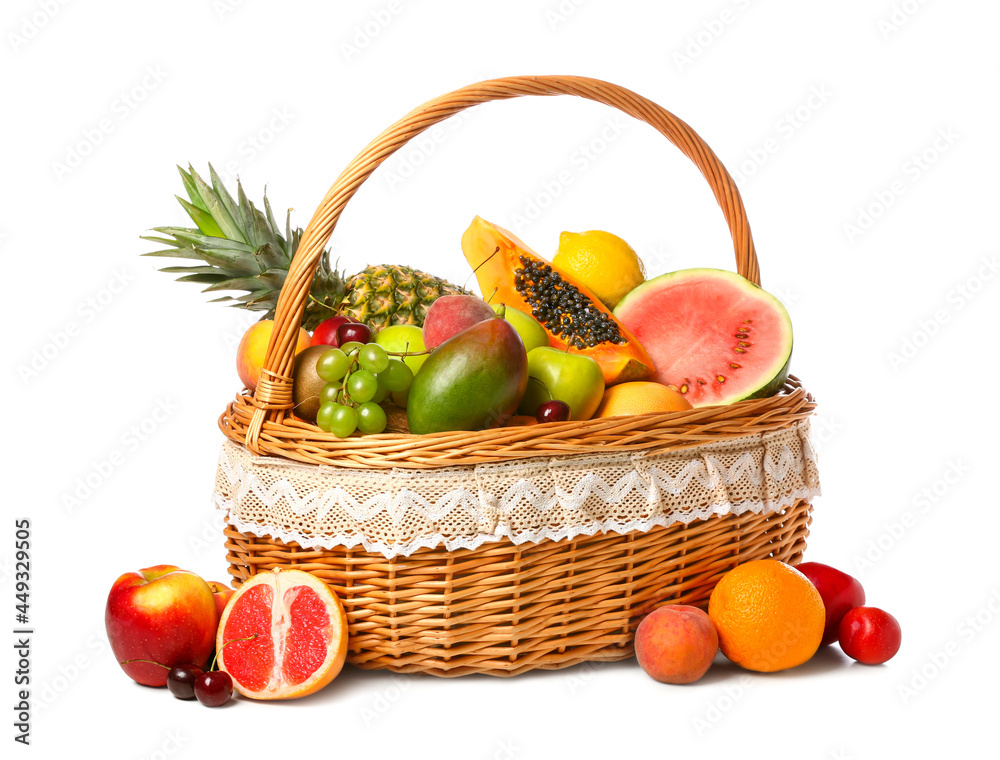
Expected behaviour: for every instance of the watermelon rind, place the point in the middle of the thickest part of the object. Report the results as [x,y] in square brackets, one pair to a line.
[768,379]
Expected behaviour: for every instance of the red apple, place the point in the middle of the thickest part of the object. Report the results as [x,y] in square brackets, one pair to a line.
[162,614]
[222,594]
[840,591]
[325,333]
[870,635]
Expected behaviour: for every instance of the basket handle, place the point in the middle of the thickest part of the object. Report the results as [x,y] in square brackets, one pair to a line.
[274,390]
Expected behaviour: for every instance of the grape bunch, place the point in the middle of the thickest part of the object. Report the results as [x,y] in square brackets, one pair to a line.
[358,378]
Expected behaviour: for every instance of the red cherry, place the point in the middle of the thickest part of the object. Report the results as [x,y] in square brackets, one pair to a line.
[181,680]
[840,591]
[325,333]
[213,689]
[552,411]
[353,331]
[870,635]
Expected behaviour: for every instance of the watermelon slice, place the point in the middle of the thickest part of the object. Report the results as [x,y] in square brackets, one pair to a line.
[712,335]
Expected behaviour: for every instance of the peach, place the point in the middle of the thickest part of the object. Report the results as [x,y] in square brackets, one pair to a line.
[676,643]
[450,315]
[253,348]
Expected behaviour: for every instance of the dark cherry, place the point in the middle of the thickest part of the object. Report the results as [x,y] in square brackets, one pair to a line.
[552,411]
[213,689]
[181,678]
[325,333]
[353,331]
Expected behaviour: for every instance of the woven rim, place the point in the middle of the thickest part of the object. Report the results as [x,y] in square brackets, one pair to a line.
[295,439]
[273,396]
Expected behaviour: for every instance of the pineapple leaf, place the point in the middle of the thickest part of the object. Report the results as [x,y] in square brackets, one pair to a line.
[218,210]
[224,273]
[246,210]
[205,279]
[251,284]
[192,189]
[227,201]
[202,219]
[271,257]
[195,239]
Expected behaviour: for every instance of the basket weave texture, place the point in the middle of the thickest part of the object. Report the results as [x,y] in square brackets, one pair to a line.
[506,607]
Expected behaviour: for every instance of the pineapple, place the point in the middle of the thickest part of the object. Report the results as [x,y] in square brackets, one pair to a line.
[241,248]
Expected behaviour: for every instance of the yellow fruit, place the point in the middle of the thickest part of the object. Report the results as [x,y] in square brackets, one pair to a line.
[253,348]
[603,262]
[769,616]
[640,397]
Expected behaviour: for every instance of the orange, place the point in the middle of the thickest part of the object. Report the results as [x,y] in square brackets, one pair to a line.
[640,397]
[769,616]
[283,635]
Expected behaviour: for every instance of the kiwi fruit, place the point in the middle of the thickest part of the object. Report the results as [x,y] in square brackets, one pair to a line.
[306,384]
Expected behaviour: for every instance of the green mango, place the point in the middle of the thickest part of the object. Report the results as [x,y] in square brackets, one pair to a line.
[474,380]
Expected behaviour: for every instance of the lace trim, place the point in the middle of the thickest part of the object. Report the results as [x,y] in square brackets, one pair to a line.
[395,512]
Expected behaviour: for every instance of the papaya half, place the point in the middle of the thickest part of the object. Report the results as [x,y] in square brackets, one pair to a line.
[573,317]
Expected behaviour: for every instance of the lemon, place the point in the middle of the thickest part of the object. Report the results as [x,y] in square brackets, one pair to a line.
[603,262]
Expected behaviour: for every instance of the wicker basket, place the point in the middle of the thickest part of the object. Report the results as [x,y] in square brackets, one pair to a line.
[503,607]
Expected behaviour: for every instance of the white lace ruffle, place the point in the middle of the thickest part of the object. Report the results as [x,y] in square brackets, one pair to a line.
[395,512]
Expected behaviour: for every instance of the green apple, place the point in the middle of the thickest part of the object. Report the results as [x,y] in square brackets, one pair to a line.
[400,338]
[555,374]
[532,334]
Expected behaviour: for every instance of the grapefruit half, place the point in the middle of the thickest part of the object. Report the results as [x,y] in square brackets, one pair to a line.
[283,635]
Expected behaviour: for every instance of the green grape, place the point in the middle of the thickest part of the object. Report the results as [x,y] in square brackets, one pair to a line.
[332,365]
[396,376]
[373,357]
[371,418]
[381,392]
[329,393]
[325,415]
[344,421]
[353,345]
[400,398]
[361,385]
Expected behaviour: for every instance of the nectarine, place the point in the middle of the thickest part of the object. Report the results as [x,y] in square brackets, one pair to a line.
[676,643]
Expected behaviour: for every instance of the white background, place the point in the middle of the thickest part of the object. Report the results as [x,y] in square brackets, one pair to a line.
[829,112]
